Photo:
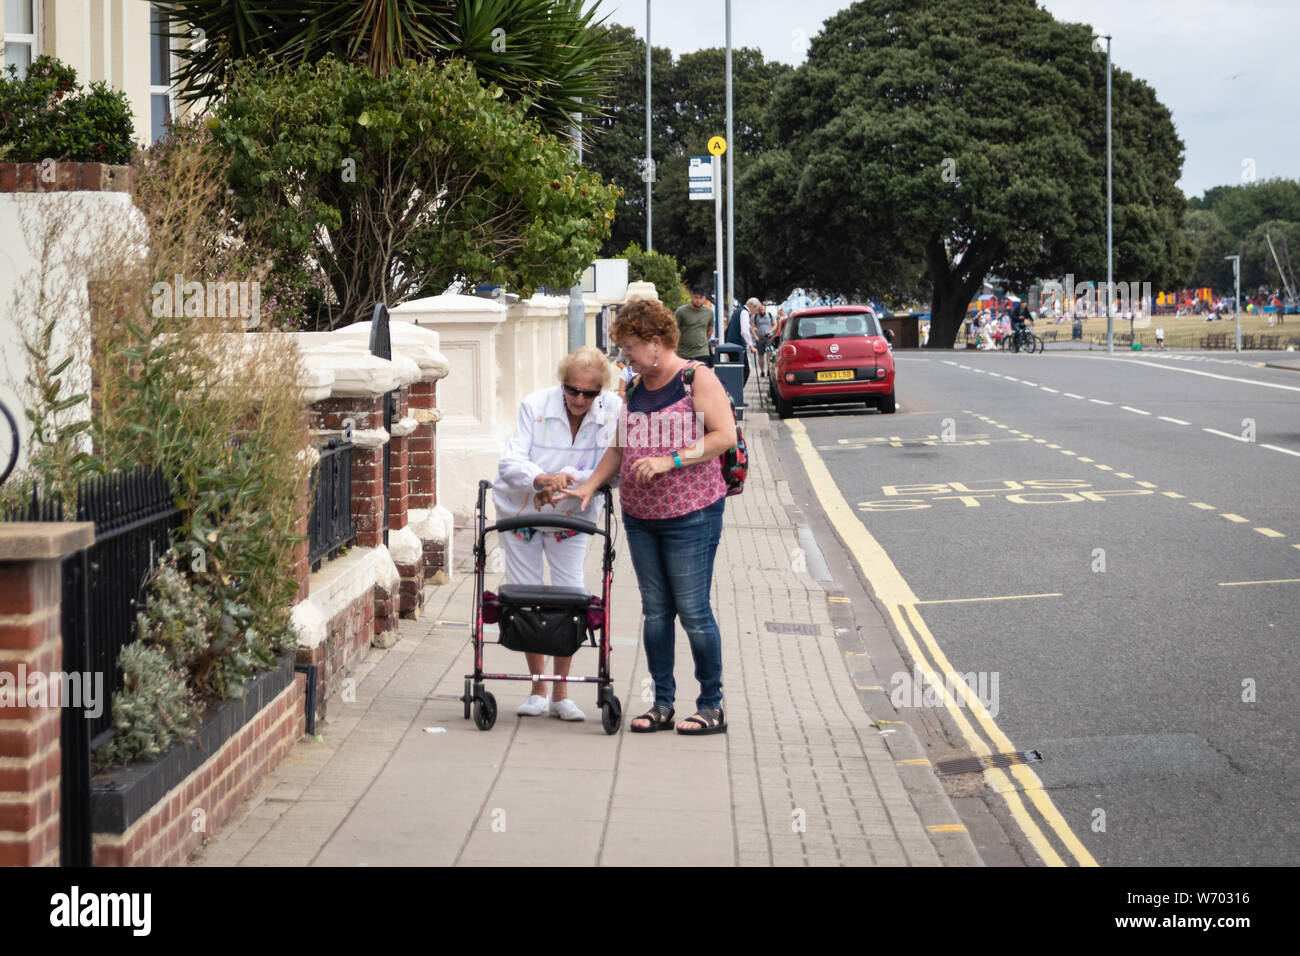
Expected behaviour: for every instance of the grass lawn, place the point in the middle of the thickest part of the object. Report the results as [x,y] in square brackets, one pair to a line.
[1187,331]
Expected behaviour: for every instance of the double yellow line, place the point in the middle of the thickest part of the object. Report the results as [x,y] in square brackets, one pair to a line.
[901,603]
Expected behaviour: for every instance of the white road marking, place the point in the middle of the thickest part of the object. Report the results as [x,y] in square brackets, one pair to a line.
[1101,401]
[1135,411]
[1031,384]
[1285,451]
[1176,421]
[1052,390]
[1226,378]
[1072,395]
[1215,431]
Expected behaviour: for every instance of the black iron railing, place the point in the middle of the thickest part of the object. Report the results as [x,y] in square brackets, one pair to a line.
[330,525]
[135,521]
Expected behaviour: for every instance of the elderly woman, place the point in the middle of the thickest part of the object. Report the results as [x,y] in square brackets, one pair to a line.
[562,433]
[672,494]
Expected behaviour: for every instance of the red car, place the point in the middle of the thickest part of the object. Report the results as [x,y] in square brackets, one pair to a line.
[832,355]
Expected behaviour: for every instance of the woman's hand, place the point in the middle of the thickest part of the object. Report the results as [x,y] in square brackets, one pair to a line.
[582,492]
[551,483]
[646,468]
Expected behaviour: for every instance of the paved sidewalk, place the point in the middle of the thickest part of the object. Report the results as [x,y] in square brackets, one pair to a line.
[803,777]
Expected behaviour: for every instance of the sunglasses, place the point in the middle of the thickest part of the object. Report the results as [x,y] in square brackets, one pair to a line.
[575,392]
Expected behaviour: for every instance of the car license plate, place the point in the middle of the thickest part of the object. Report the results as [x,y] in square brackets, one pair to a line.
[837,376]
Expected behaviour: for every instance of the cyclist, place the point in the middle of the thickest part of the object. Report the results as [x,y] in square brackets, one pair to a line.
[1018,317]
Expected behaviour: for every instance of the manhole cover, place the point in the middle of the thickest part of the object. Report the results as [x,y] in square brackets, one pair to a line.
[787,627]
[979,764]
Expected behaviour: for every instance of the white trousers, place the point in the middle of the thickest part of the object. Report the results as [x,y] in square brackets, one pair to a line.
[524,558]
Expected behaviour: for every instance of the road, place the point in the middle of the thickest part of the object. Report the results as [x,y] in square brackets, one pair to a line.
[1109,548]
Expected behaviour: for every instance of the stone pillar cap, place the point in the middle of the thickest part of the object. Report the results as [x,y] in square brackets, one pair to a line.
[43,540]
[448,308]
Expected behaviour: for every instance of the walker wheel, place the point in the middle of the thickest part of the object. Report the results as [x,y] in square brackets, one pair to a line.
[611,717]
[485,711]
[468,698]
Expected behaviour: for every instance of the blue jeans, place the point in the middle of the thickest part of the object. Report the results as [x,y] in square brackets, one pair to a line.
[673,558]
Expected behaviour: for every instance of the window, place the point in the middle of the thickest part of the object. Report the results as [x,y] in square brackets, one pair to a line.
[20,34]
[160,74]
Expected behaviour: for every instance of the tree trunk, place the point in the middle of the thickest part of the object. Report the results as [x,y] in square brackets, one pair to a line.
[954,286]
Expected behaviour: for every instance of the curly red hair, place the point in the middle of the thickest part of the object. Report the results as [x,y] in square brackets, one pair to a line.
[644,319]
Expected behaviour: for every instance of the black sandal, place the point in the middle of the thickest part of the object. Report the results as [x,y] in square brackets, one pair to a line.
[710,720]
[660,717]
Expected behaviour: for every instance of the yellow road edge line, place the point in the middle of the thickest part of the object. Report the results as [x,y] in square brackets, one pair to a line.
[1005,597]
[838,599]
[894,591]
[1237,584]
[1029,781]
[913,762]
[946,828]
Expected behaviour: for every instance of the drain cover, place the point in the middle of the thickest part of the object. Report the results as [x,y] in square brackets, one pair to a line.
[979,764]
[787,627]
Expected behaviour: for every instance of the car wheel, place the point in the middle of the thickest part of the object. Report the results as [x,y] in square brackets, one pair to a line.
[888,405]
[783,408]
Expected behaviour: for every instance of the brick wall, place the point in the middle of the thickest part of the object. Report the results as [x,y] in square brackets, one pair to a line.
[172,830]
[62,177]
[31,589]
[347,634]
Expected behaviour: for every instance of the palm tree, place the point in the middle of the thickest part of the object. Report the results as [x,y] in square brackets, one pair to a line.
[544,50]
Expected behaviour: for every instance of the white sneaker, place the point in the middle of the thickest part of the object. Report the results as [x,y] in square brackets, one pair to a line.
[566,710]
[534,706]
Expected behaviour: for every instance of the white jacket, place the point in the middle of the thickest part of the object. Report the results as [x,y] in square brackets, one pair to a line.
[543,444]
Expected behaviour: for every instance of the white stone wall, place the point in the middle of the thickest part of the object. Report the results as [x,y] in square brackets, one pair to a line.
[62,228]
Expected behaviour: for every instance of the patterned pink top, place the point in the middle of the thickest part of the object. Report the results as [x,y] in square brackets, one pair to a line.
[660,422]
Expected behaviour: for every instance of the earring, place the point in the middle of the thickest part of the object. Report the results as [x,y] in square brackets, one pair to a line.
[656,365]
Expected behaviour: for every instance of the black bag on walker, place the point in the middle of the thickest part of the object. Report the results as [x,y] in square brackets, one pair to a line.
[551,621]
[554,631]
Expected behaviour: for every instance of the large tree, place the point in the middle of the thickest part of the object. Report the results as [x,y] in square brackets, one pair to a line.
[401,184]
[544,50]
[968,138]
[1241,208]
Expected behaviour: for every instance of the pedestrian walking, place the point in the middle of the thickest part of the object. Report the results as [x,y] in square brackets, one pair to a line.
[694,328]
[760,328]
[739,332]
[560,437]
[673,495]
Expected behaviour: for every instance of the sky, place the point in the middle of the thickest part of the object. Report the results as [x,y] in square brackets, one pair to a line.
[1226,69]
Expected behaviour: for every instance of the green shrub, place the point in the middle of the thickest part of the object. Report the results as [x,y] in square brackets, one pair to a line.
[44,115]
[403,184]
[658,268]
[153,711]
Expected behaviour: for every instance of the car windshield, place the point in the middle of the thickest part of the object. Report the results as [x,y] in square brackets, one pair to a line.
[833,326]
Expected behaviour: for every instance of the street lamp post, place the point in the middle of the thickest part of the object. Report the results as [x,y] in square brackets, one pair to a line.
[1110,281]
[649,161]
[731,194]
[1236,300]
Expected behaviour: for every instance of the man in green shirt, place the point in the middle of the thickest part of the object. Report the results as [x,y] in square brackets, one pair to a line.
[696,324]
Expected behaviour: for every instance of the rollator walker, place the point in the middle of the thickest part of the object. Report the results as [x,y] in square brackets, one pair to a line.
[542,619]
